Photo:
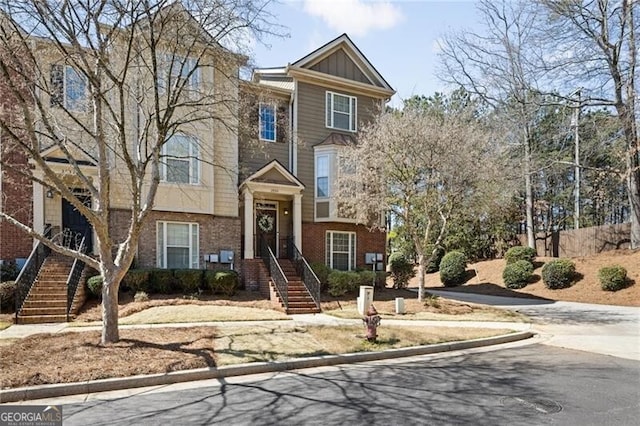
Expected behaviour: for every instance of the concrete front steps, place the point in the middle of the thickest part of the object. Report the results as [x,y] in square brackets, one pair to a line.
[47,300]
[300,301]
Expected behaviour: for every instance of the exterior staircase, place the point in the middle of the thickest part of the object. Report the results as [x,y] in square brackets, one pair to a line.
[300,301]
[47,300]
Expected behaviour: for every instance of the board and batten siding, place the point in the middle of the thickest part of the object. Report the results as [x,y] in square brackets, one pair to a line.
[340,65]
[312,130]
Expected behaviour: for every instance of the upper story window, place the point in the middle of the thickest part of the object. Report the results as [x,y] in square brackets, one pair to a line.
[180,163]
[341,111]
[68,88]
[267,122]
[322,176]
[174,68]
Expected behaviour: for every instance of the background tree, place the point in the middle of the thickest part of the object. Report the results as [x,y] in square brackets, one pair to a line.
[496,65]
[137,66]
[600,36]
[422,164]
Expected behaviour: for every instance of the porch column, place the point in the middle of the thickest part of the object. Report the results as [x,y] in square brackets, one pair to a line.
[297,220]
[38,209]
[248,224]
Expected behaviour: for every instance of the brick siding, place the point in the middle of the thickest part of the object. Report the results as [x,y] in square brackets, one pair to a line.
[314,240]
[216,233]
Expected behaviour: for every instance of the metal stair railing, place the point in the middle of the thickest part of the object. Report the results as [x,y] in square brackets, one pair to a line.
[29,272]
[275,272]
[74,275]
[309,278]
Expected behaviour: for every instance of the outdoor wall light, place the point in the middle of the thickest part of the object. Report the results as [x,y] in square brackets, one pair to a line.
[286,211]
[49,193]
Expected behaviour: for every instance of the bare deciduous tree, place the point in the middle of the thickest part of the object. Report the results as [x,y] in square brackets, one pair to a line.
[420,166]
[593,44]
[135,71]
[496,65]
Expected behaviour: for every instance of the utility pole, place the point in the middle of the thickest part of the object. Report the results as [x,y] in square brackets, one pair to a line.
[576,118]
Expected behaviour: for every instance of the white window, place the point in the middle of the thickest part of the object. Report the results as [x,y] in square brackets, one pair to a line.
[180,160]
[341,250]
[322,176]
[341,111]
[174,68]
[178,246]
[68,88]
[267,122]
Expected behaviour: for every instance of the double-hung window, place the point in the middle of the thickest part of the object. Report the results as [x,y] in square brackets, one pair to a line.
[174,69]
[341,111]
[341,250]
[267,117]
[178,245]
[68,88]
[180,160]
[322,176]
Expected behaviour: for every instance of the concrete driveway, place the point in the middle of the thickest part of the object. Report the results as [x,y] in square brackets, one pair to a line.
[602,329]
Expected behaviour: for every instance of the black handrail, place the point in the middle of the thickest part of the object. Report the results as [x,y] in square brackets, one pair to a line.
[275,272]
[309,278]
[30,271]
[74,275]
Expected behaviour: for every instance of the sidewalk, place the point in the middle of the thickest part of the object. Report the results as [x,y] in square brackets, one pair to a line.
[521,332]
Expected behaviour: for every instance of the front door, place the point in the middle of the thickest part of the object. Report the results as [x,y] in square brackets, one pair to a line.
[75,225]
[266,228]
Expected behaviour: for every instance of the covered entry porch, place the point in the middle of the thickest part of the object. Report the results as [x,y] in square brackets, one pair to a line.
[271,204]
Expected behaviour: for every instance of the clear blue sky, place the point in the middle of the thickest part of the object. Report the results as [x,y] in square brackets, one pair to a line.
[400,38]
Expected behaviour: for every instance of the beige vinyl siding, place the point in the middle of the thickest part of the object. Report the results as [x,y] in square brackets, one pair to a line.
[339,64]
[312,131]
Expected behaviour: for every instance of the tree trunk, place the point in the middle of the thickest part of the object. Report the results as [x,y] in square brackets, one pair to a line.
[421,268]
[110,332]
[633,185]
[531,241]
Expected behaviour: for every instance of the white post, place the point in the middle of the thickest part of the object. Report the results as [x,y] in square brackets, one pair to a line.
[248,224]
[297,220]
[38,209]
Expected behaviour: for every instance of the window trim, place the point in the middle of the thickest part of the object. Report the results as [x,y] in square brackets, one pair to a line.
[353,253]
[192,159]
[330,111]
[178,63]
[161,247]
[275,121]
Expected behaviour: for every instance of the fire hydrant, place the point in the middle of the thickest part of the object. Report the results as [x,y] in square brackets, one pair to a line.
[372,321]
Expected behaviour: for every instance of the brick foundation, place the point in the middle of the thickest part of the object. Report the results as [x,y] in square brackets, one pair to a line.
[314,240]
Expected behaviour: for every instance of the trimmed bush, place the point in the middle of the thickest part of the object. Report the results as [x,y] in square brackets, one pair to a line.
[322,271]
[8,271]
[558,273]
[367,278]
[517,275]
[188,280]
[8,294]
[94,284]
[434,263]
[612,278]
[137,280]
[401,270]
[222,282]
[141,296]
[162,281]
[520,253]
[453,267]
[343,282]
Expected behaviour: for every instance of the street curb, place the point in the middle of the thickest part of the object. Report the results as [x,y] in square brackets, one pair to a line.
[102,385]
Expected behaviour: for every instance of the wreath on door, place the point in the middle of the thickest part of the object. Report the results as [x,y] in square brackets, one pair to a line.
[265,223]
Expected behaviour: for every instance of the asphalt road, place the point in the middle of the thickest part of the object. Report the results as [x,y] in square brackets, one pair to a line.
[529,384]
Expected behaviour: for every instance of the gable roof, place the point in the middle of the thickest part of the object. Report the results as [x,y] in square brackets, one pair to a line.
[261,176]
[345,43]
